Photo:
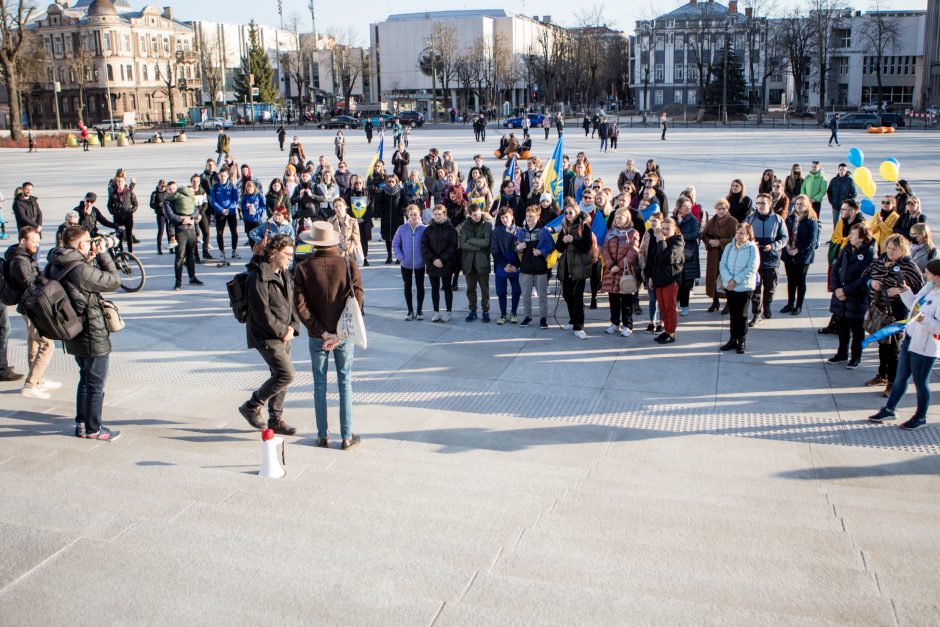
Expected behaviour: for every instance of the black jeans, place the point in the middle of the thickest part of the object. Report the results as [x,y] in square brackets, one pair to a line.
[220,223]
[277,355]
[573,293]
[4,336]
[89,399]
[406,276]
[685,291]
[763,295]
[595,279]
[737,309]
[621,309]
[857,330]
[205,218]
[163,226]
[796,282]
[446,282]
[888,358]
[127,221]
[185,253]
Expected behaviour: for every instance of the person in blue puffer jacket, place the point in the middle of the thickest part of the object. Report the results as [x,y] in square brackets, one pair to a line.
[738,267]
[278,224]
[406,246]
[224,199]
[506,263]
[252,207]
[802,242]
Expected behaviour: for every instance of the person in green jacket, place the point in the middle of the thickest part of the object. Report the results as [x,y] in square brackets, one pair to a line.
[814,186]
[475,235]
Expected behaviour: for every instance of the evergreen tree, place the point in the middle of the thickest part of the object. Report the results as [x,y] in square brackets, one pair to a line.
[255,62]
[737,88]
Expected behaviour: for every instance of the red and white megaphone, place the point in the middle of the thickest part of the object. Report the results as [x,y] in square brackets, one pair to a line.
[271,463]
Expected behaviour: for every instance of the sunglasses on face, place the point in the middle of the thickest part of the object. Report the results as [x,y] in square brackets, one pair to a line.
[885,202]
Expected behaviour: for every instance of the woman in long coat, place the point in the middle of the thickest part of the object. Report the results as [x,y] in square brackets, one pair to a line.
[719,232]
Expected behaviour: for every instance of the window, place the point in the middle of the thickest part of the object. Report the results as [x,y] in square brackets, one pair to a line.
[144,68]
[166,44]
[692,97]
[841,65]
[679,72]
[142,43]
[130,72]
[658,96]
[660,43]
[57,44]
[843,37]
[110,73]
[122,71]
[154,45]
[659,71]
[678,96]
[71,75]
[127,42]
[50,76]
[680,42]
[106,41]
[133,102]
[179,44]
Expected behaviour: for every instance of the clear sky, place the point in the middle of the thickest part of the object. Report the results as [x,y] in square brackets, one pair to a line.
[359,14]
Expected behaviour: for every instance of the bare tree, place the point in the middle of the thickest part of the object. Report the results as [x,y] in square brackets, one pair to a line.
[756,33]
[168,73]
[347,63]
[209,52]
[774,56]
[824,17]
[81,67]
[589,48]
[705,27]
[506,70]
[295,61]
[879,33]
[32,67]
[548,58]
[14,16]
[796,40]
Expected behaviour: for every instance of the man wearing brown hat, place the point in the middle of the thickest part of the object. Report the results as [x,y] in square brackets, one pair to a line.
[323,282]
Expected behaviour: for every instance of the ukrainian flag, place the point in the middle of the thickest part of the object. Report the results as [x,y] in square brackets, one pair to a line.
[553,176]
[377,157]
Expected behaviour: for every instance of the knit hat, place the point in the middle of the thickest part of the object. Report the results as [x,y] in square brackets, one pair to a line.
[546,197]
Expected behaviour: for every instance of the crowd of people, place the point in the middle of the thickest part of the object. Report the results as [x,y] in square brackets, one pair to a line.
[620,237]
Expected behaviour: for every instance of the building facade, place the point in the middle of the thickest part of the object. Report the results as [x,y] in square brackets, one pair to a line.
[930,87]
[398,45]
[107,60]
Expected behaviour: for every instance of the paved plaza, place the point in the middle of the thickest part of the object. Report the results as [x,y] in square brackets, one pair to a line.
[507,476]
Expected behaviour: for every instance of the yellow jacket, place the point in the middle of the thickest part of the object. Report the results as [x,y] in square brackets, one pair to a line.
[882,229]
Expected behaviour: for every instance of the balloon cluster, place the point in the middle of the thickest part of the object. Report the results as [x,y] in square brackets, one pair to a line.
[890,170]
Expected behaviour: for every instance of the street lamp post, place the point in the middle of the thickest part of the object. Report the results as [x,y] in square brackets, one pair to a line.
[58,120]
[107,83]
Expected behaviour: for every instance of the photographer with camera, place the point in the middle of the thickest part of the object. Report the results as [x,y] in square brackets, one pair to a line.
[179,210]
[85,270]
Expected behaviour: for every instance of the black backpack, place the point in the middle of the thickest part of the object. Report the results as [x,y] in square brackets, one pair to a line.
[9,295]
[238,296]
[49,308]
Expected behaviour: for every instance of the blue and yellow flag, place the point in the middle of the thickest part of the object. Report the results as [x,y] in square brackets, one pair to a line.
[884,332]
[377,157]
[510,174]
[553,176]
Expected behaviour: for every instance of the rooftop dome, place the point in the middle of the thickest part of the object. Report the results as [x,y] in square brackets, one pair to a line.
[101,7]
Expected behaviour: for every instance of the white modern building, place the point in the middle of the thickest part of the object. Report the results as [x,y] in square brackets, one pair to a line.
[229,44]
[399,42]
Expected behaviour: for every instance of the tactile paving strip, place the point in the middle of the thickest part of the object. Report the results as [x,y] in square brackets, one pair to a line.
[235,371]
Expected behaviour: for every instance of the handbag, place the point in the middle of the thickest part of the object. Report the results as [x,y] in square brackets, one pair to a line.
[877,319]
[628,283]
[112,316]
[351,326]
[720,287]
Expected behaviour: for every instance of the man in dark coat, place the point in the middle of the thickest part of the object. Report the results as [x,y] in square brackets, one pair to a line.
[26,209]
[86,270]
[271,327]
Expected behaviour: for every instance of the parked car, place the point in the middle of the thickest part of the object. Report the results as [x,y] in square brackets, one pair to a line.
[212,123]
[381,119]
[795,112]
[872,107]
[535,120]
[411,118]
[340,121]
[859,120]
[895,120]
[106,125]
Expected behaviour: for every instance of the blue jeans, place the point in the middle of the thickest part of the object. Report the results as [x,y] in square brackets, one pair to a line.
[89,399]
[501,278]
[320,362]
[651,295]
[918,367]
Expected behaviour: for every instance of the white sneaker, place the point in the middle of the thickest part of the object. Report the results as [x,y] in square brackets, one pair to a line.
[684,312]
[445,317]
[567,327]
[47,385]
[626,332]
[34,392]
[581,335]
[612,329]
[436,317]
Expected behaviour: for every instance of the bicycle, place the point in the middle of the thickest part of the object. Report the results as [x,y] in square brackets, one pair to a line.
[133,275]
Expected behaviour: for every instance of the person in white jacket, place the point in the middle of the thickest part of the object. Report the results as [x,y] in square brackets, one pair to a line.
[919,349]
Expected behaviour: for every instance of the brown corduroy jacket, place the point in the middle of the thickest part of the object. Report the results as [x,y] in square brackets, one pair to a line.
[321,287]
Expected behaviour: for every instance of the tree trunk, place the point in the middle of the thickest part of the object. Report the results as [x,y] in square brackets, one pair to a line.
[13,92]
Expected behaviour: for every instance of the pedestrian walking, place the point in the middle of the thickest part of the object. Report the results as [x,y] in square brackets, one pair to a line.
[834,128]
[339,145]
[281,136]
[271,327]
[663,125]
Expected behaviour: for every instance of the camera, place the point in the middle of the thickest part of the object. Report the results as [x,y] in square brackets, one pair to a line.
[110,241]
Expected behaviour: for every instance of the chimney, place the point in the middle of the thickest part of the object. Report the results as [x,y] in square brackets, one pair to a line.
[748,12]
[547,19]
[732,6]
[693,1]
[168,13]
